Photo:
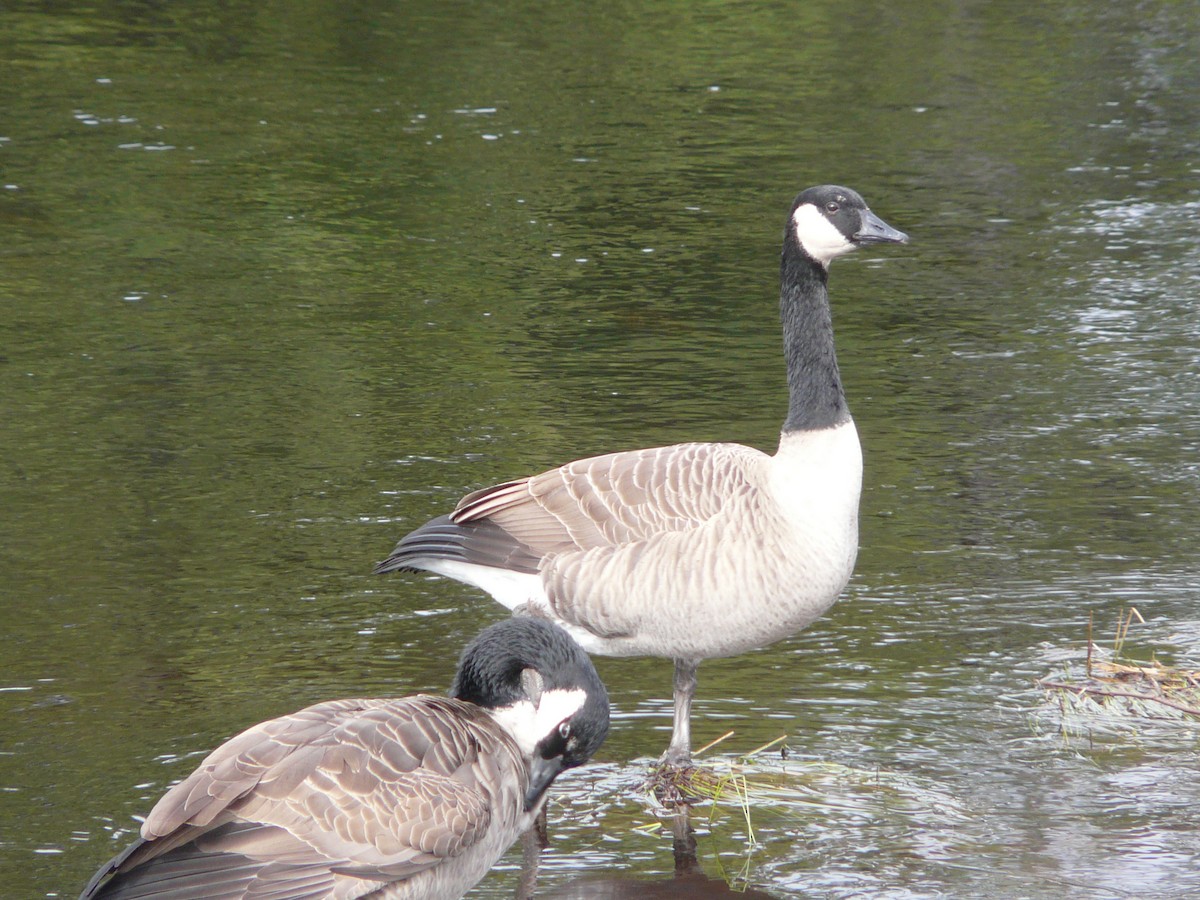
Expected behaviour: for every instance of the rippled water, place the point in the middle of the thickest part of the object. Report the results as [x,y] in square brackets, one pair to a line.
[281,283]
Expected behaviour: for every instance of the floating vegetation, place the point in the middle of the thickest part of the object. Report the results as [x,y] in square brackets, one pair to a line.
[1114,692]
[767,787]
[716,781]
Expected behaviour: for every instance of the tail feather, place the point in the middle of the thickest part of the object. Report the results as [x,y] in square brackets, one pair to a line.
[202,870]
[482,543]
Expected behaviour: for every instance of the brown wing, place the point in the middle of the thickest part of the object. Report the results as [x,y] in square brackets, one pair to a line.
[608,529]
[612,539]
[616,499]
[335,797]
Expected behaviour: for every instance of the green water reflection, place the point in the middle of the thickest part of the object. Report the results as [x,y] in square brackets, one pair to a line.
[281,281]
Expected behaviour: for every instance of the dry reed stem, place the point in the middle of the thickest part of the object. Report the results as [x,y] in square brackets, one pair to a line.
[1110,692]
[1162,684]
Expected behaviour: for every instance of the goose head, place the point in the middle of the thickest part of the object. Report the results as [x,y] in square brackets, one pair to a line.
[542,689]
[828,221]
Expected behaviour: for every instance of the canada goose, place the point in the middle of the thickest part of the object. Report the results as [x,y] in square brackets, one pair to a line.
[408,798]
[695,550]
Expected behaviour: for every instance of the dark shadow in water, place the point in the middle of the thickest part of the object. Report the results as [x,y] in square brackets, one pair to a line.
[689,879]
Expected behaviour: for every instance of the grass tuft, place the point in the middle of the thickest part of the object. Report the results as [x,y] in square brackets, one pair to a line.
[1120,686]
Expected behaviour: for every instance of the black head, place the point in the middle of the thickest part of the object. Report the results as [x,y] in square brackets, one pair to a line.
[827,221]
[541,687]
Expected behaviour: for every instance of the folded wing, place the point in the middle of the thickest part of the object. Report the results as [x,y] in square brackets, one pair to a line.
[335,800]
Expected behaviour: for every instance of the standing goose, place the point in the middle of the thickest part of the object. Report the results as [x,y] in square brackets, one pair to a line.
[695,550]
[409,798]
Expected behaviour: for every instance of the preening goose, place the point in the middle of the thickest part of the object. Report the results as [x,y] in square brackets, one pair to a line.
[695,550]
[408,798]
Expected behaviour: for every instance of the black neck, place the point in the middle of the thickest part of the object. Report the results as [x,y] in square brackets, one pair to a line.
[814,383]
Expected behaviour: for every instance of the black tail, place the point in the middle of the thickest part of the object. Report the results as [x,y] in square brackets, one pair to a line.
[482,543]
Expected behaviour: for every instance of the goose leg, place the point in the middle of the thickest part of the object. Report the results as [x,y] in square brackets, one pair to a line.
[679,753]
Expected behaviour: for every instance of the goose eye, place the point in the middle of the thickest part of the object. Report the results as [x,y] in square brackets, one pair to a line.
[832,206]
[564,730]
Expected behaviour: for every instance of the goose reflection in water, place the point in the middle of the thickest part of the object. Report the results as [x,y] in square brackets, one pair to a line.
[688,881]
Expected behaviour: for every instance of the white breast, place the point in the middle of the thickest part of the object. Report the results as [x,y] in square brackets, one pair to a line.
[816,478]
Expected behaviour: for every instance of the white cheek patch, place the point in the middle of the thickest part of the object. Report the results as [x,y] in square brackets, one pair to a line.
[817,235]
[518,720]
[557,705]
[529,724]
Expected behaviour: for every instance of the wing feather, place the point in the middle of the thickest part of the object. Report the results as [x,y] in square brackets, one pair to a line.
[606,501]
[350,790]
[612,538]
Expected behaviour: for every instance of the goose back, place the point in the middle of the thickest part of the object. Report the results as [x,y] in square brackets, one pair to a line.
[339,800]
